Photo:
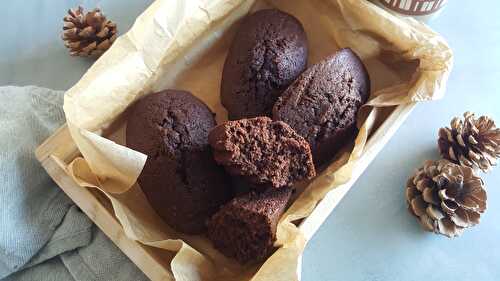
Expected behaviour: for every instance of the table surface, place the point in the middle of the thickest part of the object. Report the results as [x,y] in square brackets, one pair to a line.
[369,236]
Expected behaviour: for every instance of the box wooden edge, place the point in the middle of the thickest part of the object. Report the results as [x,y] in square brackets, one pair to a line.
[60,145]
[384,133]
[139,254]
[310,225]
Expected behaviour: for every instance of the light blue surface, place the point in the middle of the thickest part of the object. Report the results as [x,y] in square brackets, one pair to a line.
[370,235]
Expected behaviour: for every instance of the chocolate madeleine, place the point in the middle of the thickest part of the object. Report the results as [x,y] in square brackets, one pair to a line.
[263,152]
[180,179]
[245,228]
[322,104]
[268,52]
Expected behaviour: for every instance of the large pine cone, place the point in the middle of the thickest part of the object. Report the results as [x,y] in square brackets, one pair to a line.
[471,142]
[446,197]
[87,34]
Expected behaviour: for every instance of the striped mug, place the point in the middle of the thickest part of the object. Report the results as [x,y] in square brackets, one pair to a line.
[420,9]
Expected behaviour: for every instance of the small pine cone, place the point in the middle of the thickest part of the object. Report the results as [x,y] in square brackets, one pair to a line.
[471,142]
[446,197]
[87,34]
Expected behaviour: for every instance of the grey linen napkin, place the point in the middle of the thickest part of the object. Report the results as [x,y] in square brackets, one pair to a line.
[43,235]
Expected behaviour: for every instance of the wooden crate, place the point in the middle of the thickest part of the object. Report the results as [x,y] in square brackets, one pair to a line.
[59,150]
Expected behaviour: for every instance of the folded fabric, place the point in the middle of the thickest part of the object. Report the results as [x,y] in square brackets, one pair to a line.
[43,235]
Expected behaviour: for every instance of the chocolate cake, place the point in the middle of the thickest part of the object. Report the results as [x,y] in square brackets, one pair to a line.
[180,179]
[266,153]
[322,104]
[245,228]
[268,52]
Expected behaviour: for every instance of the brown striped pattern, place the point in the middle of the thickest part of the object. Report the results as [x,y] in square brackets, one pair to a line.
[414,7]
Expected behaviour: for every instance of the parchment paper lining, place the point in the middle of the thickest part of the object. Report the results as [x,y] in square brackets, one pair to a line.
[182,44]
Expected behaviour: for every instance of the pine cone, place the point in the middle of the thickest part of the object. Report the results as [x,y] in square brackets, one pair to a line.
[446,197]
[471,142]
[87,34]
